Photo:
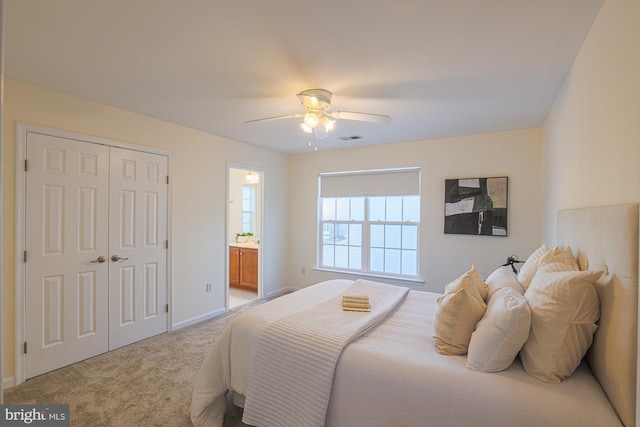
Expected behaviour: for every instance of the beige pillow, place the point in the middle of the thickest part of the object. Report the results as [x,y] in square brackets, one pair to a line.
[562,260]
[530,266]
[468,281]
[455,320]
[503,277]
[501,332]
[564,311]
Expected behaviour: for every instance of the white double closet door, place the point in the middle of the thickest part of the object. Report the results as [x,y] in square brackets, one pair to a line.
[96,260]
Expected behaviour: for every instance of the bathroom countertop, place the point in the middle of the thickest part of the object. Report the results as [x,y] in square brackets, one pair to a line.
[244,245]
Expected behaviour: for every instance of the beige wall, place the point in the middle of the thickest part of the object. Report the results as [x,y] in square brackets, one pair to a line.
[443,257]
[199,192]
[592,136]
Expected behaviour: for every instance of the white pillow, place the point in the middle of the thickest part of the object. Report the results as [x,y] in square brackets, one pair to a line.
[530,266]
[503,277]
[501,332]
[468,281]
[564,311]
[455,320]
[563,260]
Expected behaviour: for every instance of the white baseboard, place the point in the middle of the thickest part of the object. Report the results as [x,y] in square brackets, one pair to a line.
[216,313]
[8,382]
[199,319]
[281,291]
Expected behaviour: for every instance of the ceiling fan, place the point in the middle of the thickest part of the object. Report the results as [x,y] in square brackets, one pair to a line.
[317,119]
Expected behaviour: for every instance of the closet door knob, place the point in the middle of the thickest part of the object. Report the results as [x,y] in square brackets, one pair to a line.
[115,258]
[100,260]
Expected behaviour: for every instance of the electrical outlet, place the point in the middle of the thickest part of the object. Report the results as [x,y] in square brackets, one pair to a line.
[209,287]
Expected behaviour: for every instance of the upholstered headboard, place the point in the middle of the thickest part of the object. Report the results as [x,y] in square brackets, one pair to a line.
[607,238]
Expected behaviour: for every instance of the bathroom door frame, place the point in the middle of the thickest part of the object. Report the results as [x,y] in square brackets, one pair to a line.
[259,219]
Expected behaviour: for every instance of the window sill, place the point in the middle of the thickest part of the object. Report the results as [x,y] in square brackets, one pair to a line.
[417,281]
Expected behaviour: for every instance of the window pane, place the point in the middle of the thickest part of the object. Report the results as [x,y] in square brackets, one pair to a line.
[411,208]
[409,237]
[327,255]
[247,198]
[342,234]
[377,259]
[327,234]
[394,208]
[392,236]
[355,234]
[409,262]
[377,236]
[357,209]
[392,261]
[355,257]
[246,222]
[342,256]
[376,209]
[329,209]
[342,209]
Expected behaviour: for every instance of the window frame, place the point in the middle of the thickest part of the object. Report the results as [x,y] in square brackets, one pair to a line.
[366,248]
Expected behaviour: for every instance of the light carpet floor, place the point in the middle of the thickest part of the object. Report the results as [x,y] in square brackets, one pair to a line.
[148,383]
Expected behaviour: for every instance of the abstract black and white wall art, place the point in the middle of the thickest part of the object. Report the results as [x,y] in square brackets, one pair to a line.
[476,206]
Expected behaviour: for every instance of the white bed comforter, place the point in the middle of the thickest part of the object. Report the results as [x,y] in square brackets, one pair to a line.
[392,376]
[226,367]
[292,371]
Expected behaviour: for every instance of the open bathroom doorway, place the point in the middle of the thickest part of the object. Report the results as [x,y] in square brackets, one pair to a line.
[244,234]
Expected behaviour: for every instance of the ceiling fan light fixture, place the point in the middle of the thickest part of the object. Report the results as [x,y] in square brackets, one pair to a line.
[311,120]
[316,99]
[327,123]
[306,127]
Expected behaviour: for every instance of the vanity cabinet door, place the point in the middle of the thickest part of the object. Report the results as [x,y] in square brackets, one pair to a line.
[249,268]
[234,266]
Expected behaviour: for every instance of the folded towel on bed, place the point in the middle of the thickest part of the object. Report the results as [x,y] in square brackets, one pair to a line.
[355,298]
[355,303]
[363,309]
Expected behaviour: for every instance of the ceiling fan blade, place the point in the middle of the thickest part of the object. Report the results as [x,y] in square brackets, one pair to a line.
[286,116]
[363,117]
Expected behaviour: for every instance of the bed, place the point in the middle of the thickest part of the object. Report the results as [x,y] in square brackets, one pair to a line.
[391,375]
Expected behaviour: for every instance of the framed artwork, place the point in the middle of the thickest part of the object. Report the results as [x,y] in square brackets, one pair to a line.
[476,206]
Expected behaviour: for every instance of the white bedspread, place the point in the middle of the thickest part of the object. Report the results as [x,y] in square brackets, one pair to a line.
[226,367]
[392,376]
[292,370]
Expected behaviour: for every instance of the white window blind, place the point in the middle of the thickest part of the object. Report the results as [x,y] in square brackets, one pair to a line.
[382,182]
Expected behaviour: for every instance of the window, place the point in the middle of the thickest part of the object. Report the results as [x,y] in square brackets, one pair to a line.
[248,208]
[369,222]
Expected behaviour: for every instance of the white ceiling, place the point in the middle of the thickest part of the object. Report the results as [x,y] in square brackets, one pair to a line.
[437,67]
